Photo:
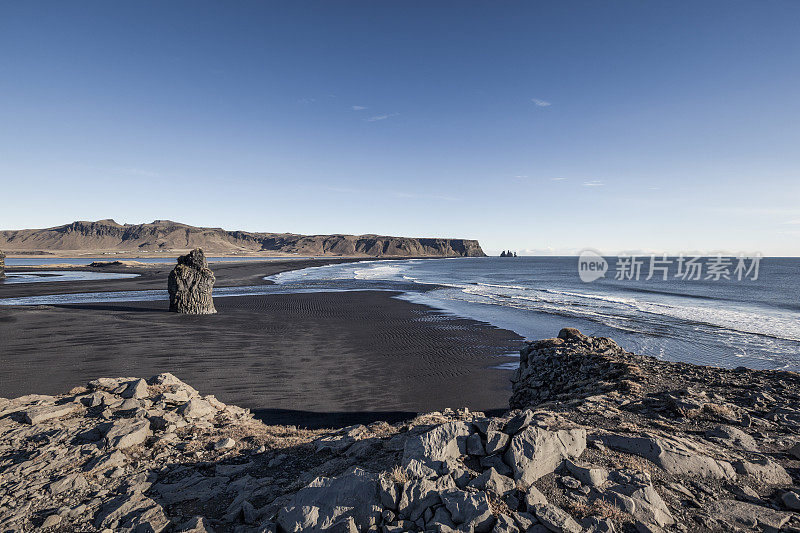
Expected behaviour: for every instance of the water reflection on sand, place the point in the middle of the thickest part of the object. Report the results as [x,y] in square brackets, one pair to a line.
[59,275]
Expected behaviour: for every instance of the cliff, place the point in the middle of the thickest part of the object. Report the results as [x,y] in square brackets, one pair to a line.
[165,235]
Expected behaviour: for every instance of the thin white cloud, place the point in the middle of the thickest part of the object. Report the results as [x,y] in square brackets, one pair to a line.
[558,179]
[306,100]
[376,118]
[593,183]
[541,103]
[358,107]
[521,176]
[791,222]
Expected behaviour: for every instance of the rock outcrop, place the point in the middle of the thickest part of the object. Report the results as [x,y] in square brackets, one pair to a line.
[190,284]
[607,447]
[2,265]
[164,235]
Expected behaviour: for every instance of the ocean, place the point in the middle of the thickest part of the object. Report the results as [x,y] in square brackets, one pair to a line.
[725,322]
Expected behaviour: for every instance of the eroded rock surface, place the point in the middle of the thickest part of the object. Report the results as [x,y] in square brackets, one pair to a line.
[190,284]
[609,447]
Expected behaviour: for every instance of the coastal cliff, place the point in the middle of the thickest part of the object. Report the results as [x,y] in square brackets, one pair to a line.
[165,235]
[599,440]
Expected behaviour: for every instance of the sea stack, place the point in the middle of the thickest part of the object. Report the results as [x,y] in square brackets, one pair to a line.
[2,265]
[190,285]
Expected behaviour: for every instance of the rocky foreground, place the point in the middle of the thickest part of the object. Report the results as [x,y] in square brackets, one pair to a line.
[598,440]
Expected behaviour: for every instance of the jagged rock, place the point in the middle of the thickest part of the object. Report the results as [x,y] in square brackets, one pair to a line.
[519,422]
[534,496]
[748,515]
[536,452]
[2,265]
[432,448]
[556,519]
[505,524]
[421,494]
[136,390]
[70,482]
[496,462]
[588,475]
[197,408]
[673,455]
[491,481]
[642,502]
[39,414]
[525,521]
[132,513]
[764,470]
[791,501]
[195,486]
[470,508]
[496,441]
[416,470]
[224,444]
[475,445]
[126,433]
[326,501]
[190,284]
[198,524]
[733,437]
[794,450]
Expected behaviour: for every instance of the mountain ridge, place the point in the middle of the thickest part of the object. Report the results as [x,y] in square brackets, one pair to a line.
[167,235]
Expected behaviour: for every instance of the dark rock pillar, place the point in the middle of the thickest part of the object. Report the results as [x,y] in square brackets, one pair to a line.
[190,285]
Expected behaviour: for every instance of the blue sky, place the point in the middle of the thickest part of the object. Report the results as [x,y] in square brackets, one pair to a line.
[538,126]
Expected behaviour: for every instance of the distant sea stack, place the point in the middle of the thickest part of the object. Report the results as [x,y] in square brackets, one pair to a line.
[165,235]
[190,284]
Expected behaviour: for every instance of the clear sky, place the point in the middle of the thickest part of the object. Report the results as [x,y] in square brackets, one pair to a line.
[538,126]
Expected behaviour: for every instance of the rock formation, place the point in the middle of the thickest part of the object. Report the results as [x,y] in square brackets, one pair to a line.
[165,235]
[190,284]
[2,265]
[608,442]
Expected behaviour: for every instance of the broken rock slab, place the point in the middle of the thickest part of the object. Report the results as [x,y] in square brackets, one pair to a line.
[536,452]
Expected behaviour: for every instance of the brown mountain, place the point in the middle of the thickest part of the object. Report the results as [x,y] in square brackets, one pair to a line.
[165,235]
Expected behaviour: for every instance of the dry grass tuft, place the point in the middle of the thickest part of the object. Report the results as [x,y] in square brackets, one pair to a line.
[398,474]
[601,509]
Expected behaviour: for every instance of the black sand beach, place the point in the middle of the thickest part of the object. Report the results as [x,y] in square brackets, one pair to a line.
[321,359]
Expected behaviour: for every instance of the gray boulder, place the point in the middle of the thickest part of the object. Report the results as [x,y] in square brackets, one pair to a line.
[556,519]
[764,470]
[434,447]
[326,502]
[536,452]
[190,284]
[469,508]
[748,515]
[675,455]
[2,265]
[127,432]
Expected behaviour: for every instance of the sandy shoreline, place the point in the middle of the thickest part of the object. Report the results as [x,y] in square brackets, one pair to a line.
[319,359]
